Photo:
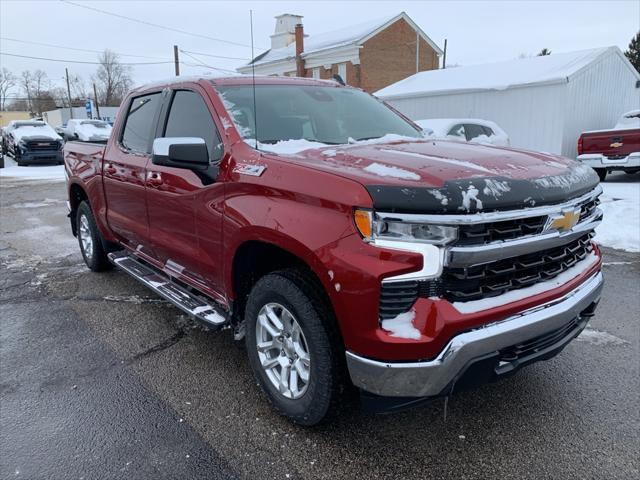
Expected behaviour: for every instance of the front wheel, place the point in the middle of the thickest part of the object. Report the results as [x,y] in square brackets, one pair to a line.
[292,348]
[90,240]
[602,173]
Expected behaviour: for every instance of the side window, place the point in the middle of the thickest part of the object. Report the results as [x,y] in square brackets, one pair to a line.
[139,123]
[487,131]
[190,117]
[457,131]
[472,131]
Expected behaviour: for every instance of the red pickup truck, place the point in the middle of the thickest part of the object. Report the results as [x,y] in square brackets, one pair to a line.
[343,247]
[615,149]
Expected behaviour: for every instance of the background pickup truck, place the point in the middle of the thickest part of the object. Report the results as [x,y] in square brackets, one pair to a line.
[31,142]
[343,247]
[615,149]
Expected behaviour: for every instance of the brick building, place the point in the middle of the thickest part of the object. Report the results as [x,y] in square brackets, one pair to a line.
[371,55]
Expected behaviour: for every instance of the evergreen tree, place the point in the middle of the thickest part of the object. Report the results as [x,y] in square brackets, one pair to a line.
[544,52]
[633,54]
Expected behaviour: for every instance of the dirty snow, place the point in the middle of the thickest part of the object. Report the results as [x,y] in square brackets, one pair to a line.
[596,337]
[390,171]
[33,172]
[401,326]
[620,204]
[515,295]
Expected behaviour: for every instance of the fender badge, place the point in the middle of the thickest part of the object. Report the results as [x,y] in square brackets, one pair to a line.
[248,169]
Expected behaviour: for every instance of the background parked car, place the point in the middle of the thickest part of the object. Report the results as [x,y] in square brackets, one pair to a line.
[614,149]
[466,129]
[29,141]
[87,130]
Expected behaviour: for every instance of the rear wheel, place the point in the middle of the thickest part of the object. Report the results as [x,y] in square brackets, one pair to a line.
[602,173]
[90,240]
[292,348]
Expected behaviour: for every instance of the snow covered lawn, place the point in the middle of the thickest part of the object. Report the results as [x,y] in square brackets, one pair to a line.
[54,173]
[620,227]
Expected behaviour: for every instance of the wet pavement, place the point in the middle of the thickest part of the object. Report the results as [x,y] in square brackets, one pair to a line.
[99,378]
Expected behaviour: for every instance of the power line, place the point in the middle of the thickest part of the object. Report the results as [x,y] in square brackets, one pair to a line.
[208,66]
[76,49]
[144,22]
[79,61]
[216,56]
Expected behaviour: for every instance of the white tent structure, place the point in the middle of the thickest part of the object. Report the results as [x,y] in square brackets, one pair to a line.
[543,103]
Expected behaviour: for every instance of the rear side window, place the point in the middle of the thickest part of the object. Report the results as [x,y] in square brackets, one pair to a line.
[457,131]
[190,117]
[473,130]
[139,124]
[487,131]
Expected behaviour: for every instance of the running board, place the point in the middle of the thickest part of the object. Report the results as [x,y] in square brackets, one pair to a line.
[197,306]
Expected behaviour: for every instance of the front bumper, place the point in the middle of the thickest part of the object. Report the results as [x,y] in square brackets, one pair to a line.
[436,377]
[597,160]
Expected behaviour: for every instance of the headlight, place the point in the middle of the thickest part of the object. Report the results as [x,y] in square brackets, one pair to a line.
[373,227]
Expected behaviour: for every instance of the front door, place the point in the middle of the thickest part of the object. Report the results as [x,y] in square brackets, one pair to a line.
[124,171]
[174,195]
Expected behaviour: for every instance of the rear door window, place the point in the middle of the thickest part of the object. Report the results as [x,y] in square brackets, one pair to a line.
[190,117]
[487,131]
[457,131]
[140,123]
[473,131]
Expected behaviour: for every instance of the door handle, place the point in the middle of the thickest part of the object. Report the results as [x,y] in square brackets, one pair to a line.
[110,169]
[154,178]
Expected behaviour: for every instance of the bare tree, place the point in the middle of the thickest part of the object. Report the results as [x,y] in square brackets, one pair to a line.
[113,79]
[36,86]
[26,82]
[544,52]
[7,82]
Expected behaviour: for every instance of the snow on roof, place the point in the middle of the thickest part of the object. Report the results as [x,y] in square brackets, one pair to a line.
[556,67]
[337,38]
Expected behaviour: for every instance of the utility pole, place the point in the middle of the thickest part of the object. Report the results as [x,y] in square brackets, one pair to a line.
[176,60]
[444,57]
[95,99]
[66,71]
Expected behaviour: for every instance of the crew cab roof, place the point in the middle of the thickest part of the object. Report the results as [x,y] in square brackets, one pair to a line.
[234,80]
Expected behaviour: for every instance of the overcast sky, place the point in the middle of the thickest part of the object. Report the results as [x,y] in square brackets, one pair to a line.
[477,31]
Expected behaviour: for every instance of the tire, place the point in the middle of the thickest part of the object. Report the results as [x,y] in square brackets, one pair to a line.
[602,173]
[90,240]
[318,398]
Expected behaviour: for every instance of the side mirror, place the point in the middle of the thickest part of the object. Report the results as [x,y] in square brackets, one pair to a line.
[180,152]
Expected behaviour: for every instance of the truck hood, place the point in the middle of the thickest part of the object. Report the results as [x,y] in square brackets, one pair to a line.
[453,177]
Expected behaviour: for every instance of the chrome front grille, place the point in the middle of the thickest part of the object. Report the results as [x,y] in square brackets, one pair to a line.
[495,278]
[482,233]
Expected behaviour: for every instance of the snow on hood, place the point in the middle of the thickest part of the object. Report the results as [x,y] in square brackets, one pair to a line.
[292,147]
[450,177]
[40,131]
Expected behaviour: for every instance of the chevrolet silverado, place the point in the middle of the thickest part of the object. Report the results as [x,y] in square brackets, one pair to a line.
[343,247]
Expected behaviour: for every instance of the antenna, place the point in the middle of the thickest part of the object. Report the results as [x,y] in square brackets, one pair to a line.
[253,81]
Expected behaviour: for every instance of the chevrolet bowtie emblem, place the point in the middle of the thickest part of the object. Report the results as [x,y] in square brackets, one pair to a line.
[616,144]
[563,221]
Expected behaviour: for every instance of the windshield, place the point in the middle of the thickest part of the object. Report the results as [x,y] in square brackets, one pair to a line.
[29,124]
[95,123]
[318,114]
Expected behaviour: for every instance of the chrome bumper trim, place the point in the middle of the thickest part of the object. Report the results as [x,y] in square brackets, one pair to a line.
[430,378]
[480,254]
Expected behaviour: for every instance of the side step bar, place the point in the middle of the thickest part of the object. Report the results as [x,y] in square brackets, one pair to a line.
[197,306]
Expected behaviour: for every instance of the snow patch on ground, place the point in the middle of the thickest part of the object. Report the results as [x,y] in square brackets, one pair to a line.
[35,172]
[401,326]
[527,292]
[620,227]
[596,337]
[390,171]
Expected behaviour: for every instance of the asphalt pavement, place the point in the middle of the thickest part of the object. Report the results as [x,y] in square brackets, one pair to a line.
[100,378]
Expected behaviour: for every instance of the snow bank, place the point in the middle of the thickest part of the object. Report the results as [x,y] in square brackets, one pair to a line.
[620,203]
[35,172]
[401,326]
